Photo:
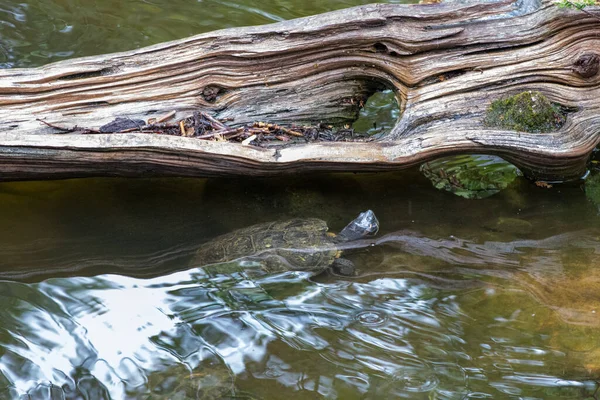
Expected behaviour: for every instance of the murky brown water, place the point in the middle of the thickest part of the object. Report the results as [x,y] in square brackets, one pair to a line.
[492,298]
[495,298]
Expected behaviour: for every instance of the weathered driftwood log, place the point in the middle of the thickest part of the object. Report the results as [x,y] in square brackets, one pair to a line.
[446,63]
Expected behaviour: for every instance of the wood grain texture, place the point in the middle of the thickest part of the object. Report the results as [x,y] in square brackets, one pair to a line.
[446,63]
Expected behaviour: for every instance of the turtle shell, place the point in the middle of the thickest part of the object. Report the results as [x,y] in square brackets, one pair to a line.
[297,244]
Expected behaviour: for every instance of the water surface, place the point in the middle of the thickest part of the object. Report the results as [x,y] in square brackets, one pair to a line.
[36,32]
[493,298]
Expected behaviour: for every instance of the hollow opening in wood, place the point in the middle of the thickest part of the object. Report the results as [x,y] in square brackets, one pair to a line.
[379,114]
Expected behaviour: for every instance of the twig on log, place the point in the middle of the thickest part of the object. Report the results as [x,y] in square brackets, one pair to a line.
[156,126]
[218,124]
[277,128]
[166,117]
[236,135]
[246,142]
[222,132]
[65,129]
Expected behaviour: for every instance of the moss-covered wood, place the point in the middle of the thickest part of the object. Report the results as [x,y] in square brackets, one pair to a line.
[446,63]
[525,112]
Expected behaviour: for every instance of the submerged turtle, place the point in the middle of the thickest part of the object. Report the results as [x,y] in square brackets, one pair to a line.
[297,244]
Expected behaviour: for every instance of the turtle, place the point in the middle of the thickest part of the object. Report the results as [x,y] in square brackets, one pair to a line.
[292,245]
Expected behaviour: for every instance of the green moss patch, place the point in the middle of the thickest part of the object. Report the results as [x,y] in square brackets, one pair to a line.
[525,112]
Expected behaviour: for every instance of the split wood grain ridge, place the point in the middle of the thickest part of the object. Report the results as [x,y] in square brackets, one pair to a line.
[446,63]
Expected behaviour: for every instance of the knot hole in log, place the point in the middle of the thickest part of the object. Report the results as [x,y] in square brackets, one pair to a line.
[377,109]
[383,49]
[587,65]
[210,93]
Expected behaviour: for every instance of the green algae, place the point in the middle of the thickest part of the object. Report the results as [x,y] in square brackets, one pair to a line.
[525,112]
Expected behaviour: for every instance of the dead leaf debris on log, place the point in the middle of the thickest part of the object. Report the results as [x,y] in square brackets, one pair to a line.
[203,126]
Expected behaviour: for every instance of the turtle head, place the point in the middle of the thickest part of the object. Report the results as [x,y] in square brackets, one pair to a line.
[366,224]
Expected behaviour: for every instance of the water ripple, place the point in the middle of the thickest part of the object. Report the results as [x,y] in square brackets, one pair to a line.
[387,334]
[370,318]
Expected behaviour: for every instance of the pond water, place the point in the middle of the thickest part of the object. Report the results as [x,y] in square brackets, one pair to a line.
[37,32]
[99,297]
[494,298]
